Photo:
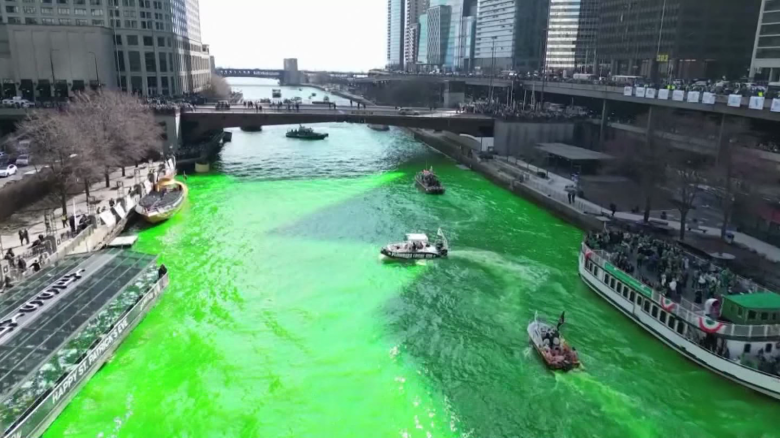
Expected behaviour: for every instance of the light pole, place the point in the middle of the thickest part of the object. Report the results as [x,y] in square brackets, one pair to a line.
[53,77]
[660,33]
[97,73]
[492,68]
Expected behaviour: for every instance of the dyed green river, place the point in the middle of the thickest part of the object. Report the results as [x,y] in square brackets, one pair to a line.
[282,321]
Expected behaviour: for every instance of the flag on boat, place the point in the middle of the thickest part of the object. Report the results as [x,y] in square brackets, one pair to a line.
[562,319]
[667,304]
[709,325]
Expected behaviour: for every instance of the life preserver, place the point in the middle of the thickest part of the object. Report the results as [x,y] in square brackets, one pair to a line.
[709,325]
[667,304]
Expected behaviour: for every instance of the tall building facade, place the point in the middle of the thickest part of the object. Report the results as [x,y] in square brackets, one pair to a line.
[452,24]
[765,64]
[157,47]
[562,34]
[510,34]
[676,38]
[412,12]
[395,34]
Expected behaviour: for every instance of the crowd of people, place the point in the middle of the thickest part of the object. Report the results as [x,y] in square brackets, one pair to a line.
[665,267]
[551,113]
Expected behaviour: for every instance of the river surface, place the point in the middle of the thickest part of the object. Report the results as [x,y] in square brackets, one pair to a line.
[256,89]
[282,321]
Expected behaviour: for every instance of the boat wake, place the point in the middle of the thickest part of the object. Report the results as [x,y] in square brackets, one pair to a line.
[531,272]
[615,404]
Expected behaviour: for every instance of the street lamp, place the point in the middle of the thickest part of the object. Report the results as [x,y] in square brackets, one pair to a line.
[97,73]
[492,67]
[53,77]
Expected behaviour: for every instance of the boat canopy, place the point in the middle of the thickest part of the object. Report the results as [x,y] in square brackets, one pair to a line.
[416,237]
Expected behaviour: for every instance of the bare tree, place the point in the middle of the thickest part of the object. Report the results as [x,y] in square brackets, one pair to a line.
[218,88]
[685,179]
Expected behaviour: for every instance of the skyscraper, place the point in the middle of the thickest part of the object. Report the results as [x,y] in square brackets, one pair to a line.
[518,27]
[562,33]
[395,34]
[414,9]
[765,64]
[156,44]
[452,23]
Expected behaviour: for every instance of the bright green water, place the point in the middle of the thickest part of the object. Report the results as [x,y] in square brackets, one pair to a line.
[281,320]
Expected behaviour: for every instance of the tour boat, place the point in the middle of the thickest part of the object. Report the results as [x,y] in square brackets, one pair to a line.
[417,246]
[428,181]
[252,128]
[551,346]
[736,342]
[305,133]
[276,93]
[376,127]
[163,202]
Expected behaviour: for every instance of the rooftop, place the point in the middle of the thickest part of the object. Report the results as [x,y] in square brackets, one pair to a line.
[763,301]
[572,153]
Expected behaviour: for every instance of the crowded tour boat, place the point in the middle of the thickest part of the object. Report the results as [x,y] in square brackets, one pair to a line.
[551,346]
[720,321]
[416,246]
[429,182]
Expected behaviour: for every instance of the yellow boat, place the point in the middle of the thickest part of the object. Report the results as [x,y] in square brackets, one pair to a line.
[164,201]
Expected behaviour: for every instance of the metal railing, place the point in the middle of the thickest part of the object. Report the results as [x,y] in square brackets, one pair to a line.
[692,312]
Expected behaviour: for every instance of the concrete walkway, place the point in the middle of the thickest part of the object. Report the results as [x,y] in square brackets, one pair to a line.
[555,187]
[32,217]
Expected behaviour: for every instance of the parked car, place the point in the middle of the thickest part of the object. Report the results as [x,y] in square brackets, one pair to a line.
[408,112]
[8,170]
[23,160]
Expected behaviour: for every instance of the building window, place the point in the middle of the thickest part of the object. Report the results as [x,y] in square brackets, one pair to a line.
[30,9]
[132,40]
[63,11]
[130,3]
[98,23]
[135,60]
[120,61]
[46,21]
[79,11]
[151,64]
[129,13]
[80,2]
[131,24]
[163,63]
[29,20]
[47,11]
[65,21]
[148,41]
[97,12]
[12,9]
[160,42]
[82,22]
[96,2]
[118,40]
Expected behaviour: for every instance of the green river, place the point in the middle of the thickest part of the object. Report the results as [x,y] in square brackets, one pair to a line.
[281,320]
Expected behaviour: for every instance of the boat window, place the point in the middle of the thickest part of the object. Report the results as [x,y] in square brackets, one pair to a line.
[764,316]
[654,312]
[625,291]
[747,348]
[739,311]
[646,306]
[768,348]
[671,322]
[631,296]
[751,314]
[681,328]
[662,317]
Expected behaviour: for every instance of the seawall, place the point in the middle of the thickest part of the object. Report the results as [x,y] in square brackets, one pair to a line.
[508,179]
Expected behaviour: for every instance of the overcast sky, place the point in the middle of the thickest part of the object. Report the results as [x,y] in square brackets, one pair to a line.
[334,35]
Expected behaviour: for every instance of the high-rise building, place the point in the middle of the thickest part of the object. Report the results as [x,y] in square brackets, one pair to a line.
[422,42]
[765,64]
[156,44]
[413,10]
[562,33]
[452,23]
[395,34]
[676,38]
[585,46]
[510,34]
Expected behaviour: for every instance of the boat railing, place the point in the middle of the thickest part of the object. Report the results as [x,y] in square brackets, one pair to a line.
[691,312]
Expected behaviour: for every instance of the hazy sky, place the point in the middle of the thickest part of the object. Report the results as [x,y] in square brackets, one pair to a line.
[343,35]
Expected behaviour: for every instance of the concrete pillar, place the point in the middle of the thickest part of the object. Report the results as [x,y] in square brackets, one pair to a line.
[603,125]
[649,128]
[723,153]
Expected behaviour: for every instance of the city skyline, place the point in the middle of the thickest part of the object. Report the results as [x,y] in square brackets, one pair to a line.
[314,32]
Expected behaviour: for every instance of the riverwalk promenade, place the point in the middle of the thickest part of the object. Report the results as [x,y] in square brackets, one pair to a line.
[33,219]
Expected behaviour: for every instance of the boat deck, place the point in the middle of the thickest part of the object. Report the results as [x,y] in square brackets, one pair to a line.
[160,200]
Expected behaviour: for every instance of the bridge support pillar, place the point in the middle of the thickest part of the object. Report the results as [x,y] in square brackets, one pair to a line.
[603,124]
[454,93]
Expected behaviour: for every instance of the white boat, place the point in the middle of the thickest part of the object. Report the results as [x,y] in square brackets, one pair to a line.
[417,246]
[551,346]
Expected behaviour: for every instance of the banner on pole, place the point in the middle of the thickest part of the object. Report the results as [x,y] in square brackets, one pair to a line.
[735,100]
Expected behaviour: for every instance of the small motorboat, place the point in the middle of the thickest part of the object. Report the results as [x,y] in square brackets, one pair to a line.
[376,127]
[305,133]
[276,93]
[428,181]
[163,202]
[416,246]
[547,340]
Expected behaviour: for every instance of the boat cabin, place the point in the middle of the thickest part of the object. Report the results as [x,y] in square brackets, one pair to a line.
[752,309]
[417,237]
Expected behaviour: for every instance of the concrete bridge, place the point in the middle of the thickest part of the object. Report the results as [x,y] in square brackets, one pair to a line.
[249,73]
[196,124]
[468,80]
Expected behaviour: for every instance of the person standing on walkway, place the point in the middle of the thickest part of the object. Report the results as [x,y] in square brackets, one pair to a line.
[613,208]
